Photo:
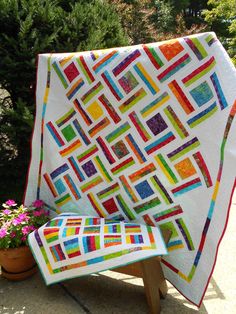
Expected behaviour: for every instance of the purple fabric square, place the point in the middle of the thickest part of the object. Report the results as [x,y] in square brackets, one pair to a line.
[89,168]
[157,124]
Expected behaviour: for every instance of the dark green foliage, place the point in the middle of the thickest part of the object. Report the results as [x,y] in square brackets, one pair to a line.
[155,20]
[221,16]
[29,27]
[163,17]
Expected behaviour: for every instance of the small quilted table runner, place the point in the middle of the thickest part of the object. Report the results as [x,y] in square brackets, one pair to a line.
[70,245]
[144,134]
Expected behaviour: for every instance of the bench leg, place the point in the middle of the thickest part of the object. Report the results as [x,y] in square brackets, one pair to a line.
[163,289]
[154,284]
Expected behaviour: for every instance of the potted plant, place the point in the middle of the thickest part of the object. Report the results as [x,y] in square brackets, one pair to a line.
[16,222]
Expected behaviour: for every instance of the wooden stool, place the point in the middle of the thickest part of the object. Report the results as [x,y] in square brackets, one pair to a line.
[153,278]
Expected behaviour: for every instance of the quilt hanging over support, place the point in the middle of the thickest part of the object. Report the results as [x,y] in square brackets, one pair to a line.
[143,134]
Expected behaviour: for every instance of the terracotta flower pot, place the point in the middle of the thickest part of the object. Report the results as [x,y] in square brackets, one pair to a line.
[17,263]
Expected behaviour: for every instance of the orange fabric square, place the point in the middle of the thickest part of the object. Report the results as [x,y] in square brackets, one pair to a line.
[185,168]
[171,49]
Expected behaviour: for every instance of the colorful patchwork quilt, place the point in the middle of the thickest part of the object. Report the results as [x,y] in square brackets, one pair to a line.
[142,134]
[70,245]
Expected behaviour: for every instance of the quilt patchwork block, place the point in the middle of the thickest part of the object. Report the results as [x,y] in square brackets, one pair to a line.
[98,244]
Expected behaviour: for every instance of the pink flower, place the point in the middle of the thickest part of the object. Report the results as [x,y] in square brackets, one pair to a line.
[23,217]
[45,212]
[12,234]
[23,238]
[40,212]
[3,233]
[11,203]
[6,211]
[38,203]
[37,213]
[16,221]
[27,229]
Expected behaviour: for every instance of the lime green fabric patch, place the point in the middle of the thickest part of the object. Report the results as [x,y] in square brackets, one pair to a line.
[68,133]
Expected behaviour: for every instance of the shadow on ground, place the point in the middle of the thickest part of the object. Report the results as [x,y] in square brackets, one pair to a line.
[107,292]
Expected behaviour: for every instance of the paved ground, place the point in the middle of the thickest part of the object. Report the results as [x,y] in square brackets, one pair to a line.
[103,293]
